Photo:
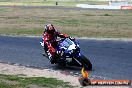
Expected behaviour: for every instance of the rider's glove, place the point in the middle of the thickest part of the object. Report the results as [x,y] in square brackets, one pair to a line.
[72,38]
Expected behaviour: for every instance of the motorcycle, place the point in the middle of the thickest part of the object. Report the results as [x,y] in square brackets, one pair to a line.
[68,53]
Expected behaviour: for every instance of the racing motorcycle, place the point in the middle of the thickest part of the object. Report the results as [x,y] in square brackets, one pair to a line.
[68,54]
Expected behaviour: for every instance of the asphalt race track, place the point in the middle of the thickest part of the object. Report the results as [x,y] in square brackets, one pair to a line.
[110,59]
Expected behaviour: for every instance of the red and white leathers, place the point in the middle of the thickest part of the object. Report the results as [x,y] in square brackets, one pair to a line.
[50,40]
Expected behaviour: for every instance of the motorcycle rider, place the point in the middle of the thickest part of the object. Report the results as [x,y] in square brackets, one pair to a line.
[50,35]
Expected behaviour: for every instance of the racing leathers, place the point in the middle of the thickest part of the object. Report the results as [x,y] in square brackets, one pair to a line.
[50,41]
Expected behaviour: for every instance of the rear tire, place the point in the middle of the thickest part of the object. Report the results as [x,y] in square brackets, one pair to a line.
[85,62]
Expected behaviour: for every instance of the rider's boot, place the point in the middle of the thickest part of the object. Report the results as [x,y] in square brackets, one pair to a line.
[51,57]
[52,61]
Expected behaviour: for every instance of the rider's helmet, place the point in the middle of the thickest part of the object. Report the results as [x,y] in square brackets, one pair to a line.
[49,28]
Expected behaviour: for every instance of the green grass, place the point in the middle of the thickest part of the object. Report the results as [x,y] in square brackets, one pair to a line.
[80,23]
[8,81]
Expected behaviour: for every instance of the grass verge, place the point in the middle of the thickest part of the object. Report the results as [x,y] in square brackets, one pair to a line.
[8,81]
[80,23]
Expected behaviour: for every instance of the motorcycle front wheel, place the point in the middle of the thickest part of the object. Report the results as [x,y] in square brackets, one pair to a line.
[85,62]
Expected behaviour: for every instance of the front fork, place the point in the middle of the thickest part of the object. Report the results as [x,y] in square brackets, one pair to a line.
[77,61]
[76,56]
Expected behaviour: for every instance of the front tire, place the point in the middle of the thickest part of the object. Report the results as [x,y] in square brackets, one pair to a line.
[85,62]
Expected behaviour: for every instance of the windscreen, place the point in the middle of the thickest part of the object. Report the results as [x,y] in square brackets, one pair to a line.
[66,43]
